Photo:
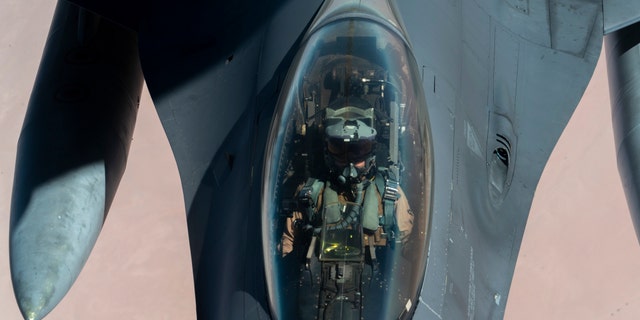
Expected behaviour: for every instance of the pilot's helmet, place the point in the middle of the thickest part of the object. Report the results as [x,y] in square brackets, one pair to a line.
[350,147]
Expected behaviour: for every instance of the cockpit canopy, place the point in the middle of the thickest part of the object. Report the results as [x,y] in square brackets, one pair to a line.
[352,95]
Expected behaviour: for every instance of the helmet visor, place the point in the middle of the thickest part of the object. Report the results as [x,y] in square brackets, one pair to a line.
[345,151]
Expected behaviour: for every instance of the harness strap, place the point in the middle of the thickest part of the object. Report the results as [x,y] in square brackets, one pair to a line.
[388,188]
[370,219]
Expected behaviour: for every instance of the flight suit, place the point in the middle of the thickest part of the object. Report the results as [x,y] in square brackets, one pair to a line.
[403,215]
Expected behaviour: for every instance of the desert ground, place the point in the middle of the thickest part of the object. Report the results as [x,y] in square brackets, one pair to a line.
[579,258]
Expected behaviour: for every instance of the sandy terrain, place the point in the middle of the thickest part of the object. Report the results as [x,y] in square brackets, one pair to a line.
[579,259]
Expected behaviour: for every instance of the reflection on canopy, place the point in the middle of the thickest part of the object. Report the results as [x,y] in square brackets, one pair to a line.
[347,179]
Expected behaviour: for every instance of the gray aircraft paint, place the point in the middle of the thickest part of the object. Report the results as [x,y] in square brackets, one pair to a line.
[71,153]
[495,70]
[471,46]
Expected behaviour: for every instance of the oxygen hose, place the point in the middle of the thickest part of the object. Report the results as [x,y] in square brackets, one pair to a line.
[354,210]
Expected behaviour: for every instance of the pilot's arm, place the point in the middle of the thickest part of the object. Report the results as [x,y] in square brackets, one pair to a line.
[404,216]
[290,233]
[291,229]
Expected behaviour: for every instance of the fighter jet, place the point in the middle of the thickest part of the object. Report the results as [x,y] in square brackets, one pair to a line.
[339,159]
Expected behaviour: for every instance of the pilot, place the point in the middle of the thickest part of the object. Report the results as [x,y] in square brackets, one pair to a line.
[354,191]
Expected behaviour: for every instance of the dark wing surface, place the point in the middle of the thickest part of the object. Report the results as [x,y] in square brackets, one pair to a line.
[214,72]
